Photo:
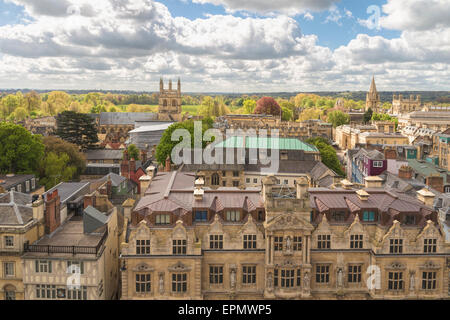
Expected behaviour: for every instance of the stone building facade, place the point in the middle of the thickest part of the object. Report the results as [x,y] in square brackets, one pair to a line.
[22,221]
[285,129]
[373,101]
[169,102]
[187,241]
[401,105]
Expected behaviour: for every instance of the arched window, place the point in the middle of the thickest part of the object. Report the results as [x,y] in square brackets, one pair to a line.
[165,103]
[215,179]
[10,292]
[174,103]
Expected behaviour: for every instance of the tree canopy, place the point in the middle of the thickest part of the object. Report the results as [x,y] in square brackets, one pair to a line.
[133,152]
[77,128]
[338,118]
[328,154]
[59,147]
[165,146]
[267,105]
[20,151]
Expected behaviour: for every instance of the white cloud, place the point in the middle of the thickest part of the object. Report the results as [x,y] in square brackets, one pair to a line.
[120,44]
[290,7]
[308,16]
[416,15]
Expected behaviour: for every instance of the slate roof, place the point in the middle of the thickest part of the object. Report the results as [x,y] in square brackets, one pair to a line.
[174,192]
[15,208]
[9,182]
[125,118]
[69,190]
[385,201]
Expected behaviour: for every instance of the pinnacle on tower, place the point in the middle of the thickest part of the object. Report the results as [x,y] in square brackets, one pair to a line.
[170,84]
[373,87]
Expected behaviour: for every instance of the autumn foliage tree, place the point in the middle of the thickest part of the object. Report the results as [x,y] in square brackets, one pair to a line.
[267,105]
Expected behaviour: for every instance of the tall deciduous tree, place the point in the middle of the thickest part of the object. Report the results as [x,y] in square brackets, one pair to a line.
[57,169]
[267,105]
[328,154]
[133,152]
[60,147]
[338,118]
[20,151]
[165,146]
[77,128]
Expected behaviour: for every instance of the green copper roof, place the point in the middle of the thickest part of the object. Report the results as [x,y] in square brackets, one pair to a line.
[266,143]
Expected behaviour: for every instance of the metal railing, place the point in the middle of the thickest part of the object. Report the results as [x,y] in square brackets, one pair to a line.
[49,249]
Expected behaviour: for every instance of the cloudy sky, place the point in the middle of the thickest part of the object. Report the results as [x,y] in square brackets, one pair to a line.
[225,45]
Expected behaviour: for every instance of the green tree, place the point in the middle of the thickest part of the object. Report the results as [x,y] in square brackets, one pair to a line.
[59,146]
[165,146]
[32,101]
[20,113]
[133,152]
[77,128]
[328,154]
[249,106]
[310,113]
[213,107]
[338,118]
[287,114]
[20,151]
[367,116]
[57,169]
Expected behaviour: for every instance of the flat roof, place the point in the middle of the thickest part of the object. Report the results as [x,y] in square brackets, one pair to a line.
[267,143]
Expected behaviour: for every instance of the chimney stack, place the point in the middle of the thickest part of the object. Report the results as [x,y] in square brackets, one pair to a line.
[405,172]
[52,212]
[302,187]
[198,190]
[373,182]
[144,183]
[362,195]
[168,165]
[426,196]
[435,181]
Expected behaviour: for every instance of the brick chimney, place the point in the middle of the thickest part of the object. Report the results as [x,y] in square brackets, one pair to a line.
[124,166]
[132,166]
[436,182]
[89,200]
[390,154]
[167,167]
[405,172]
[52,212]
[143,156]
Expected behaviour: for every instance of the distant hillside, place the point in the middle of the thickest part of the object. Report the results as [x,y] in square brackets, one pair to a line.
[386,96]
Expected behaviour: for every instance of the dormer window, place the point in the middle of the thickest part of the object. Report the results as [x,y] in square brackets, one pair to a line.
[162,219]
[410,220]
[368,216]
[338,216]
[201,215]
[233,215]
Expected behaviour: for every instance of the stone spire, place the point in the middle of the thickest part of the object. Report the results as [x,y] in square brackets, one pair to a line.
[373,98]
[373,87]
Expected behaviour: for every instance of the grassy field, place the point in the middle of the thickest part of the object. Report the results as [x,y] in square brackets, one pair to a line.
[193,109]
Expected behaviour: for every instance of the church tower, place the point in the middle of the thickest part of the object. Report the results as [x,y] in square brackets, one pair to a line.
[169,102]
[373,98]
